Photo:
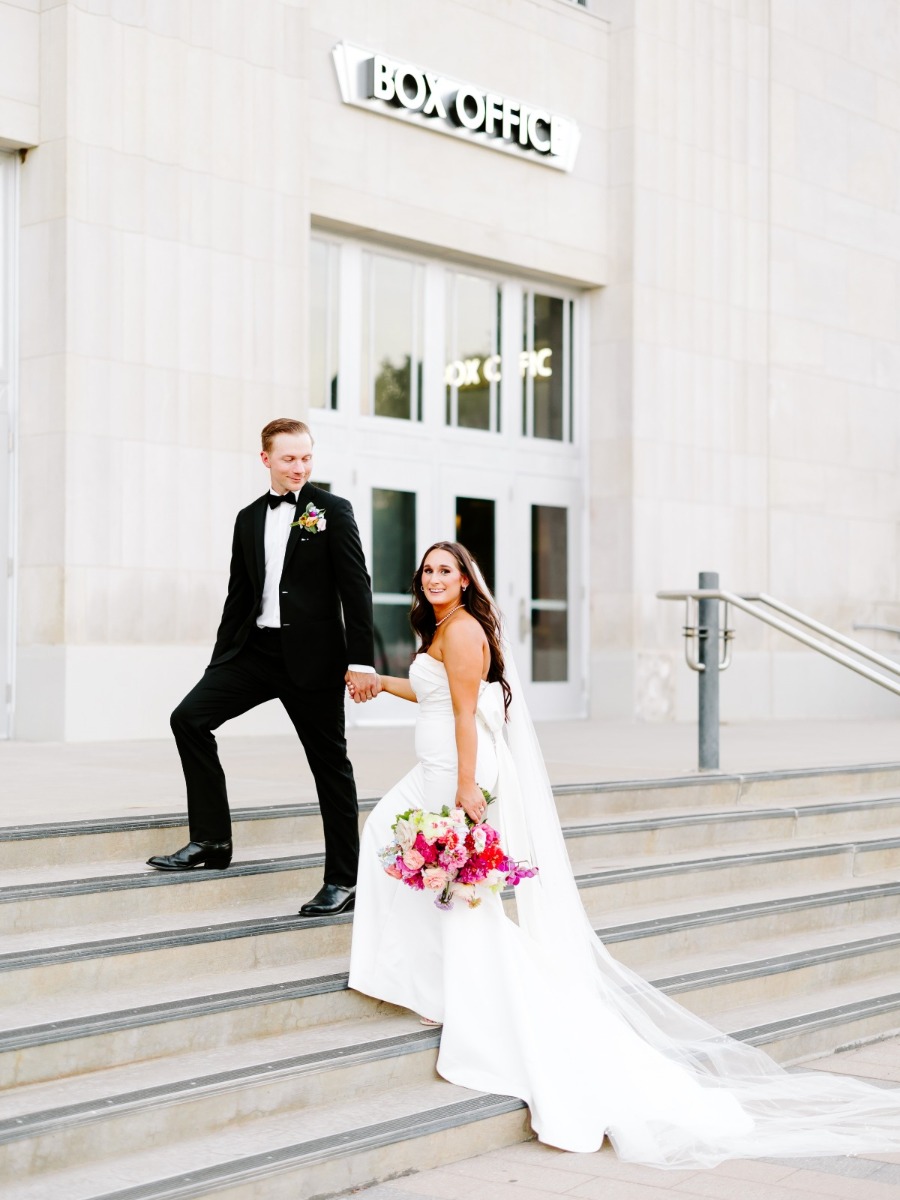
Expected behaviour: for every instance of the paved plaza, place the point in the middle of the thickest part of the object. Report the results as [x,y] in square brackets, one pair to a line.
[74,781]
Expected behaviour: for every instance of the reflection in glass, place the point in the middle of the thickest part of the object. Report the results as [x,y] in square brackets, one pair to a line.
[549,375]
[549,594]
[546,367]
[394,642]
[393,338]
[393,566]
[475,529]
[323,324]
[473,369]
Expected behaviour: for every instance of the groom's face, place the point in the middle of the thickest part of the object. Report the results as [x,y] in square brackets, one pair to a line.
[290,460]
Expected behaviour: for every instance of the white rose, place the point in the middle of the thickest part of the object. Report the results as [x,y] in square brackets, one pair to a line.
[321,523]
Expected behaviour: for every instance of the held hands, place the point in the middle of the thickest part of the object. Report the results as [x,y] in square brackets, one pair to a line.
[362,685]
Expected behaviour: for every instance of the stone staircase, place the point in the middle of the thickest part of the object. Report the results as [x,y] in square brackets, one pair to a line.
[168,1036]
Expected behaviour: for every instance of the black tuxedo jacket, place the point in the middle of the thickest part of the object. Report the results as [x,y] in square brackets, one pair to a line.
[324,576]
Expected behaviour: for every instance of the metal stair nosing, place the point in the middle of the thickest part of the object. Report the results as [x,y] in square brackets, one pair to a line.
[310,808]
[777,964]
[337,981]
[350,1143]
[201,1087]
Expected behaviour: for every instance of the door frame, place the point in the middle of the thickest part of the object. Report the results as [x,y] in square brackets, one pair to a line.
[9,291]
[563,700]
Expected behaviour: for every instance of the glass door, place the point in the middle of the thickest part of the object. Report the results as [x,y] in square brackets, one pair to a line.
[548,624]
[392,505]
[7,414]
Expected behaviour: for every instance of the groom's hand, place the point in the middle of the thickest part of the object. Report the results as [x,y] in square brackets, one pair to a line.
[363,685]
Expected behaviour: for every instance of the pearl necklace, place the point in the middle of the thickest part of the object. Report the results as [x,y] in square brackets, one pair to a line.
[447,615]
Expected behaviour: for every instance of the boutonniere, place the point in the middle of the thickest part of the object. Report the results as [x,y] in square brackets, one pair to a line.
[312,520]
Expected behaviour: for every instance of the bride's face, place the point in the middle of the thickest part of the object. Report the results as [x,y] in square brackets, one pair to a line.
[442,580]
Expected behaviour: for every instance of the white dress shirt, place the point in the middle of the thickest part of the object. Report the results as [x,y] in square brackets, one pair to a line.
[278,528]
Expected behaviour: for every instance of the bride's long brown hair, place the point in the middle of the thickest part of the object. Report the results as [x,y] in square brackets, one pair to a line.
[476,600]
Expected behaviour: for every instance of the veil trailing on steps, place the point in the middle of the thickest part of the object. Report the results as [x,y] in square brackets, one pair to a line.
[767,1111]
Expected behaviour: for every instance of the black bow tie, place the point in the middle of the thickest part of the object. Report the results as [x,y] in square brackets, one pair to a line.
[288,497]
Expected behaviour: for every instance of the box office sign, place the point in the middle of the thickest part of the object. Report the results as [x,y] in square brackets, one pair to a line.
[423,97]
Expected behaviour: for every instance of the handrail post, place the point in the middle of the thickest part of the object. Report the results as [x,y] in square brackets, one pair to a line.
[708,677]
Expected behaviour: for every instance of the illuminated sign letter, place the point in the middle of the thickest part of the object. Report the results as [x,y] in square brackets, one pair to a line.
[379,85]
[465,100]
[491,368]
[542,363]
[455,373]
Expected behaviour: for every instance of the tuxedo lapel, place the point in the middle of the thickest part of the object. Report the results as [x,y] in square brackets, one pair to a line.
[259,539]
[294,537]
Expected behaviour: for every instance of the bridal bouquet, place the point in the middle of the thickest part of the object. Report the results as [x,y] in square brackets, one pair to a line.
[448,853]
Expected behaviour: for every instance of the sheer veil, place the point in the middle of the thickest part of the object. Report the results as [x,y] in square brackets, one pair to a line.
[782,1113]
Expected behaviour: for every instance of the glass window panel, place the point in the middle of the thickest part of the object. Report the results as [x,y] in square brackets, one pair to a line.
[473,365]
[393,566]
[549,646]
[475,525]
[549,553]
[393,540]
[394,336]
[547,367]
[323,324]
[549,594]
[394,642]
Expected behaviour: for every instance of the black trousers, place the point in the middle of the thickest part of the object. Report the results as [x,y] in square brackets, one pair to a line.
[256,674]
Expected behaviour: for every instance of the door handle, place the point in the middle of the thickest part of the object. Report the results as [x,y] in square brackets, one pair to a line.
[524,620]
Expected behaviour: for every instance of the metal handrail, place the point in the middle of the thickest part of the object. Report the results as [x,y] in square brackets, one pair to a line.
[745,604]
[879,628]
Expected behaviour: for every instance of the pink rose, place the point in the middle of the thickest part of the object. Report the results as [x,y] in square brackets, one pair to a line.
[435,879]
[413,859]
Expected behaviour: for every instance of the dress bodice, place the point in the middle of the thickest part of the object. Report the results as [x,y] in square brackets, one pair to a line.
[428,678]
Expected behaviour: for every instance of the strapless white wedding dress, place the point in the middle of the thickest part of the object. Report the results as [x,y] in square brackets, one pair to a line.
[522,1017]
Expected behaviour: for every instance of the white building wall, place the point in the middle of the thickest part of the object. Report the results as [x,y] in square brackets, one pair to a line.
[164,228]
[20,78]
[754,310]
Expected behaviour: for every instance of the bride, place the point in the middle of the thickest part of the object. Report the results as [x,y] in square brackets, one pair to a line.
[538,1009]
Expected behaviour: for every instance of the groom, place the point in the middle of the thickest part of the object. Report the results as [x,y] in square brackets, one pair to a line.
[296,565]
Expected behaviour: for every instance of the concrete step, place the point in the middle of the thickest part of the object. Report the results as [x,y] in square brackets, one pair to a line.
[134,839]
[184,982]
[647,940]
[36,966]
[662,880]
[56,896]
[719,790]
[43,1127]
[710,830]
[298,1153]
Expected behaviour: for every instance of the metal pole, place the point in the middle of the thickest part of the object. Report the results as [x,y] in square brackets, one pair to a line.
[708,679]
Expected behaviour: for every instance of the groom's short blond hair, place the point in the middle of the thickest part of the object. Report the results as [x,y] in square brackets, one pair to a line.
[282,425]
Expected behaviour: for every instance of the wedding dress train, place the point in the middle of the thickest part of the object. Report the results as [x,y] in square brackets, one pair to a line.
[541,1011]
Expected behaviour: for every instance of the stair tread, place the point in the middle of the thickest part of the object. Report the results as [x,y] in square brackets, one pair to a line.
[149,924]
[195,1066]
[121,869]
[265,1134]
[140,875]
[762,950]
[50,1008]
[780,1008]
